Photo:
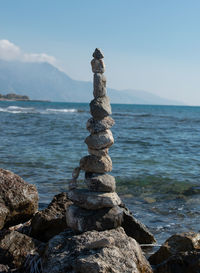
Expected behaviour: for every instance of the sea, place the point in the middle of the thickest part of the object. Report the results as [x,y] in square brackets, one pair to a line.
[156,156]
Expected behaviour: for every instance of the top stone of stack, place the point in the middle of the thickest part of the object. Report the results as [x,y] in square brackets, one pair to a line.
[98,65]
[98,54]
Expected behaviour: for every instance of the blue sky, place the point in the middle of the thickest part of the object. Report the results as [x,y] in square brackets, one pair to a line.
[148,44]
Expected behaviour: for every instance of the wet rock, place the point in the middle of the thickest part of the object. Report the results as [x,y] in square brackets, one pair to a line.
[192,190]
[51,221]
[100,140]
[100,182]
[4,212]
[95,164]
[4,268]
[175,244]
[94,200]
[98,54]
[15,248]
[135,229]
[18,199]
[183,262]
[98,66]
[24,228]
[99,153]
[100,108]
[82,220]
[95,252]
[99,85]
[96,126]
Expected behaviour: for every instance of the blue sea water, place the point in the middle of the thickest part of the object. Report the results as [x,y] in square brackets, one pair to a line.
[156,156]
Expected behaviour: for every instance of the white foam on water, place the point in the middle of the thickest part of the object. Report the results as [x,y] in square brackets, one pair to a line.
[18,110]
[62,110]
[31,110]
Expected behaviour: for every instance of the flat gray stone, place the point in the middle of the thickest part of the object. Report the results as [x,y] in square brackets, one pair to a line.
[100,140]
[100,108]
[100,182]
[98,66]
[94,200]
[95,164]
[99,85]
[96,126]
[81,220]
[98,54]
[99,153]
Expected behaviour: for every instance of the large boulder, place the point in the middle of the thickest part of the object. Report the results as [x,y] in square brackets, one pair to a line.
[94,200]
[16,248]
[135,229]
[82,220]
[18,199]
[183,262]
[94,252]
[95,164]
[47,223]
[175,244]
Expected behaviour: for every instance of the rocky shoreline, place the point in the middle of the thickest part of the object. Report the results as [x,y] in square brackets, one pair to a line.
[85,229]
[45,243]
[13,97]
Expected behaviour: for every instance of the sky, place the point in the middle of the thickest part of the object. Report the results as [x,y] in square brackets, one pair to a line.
[151,45]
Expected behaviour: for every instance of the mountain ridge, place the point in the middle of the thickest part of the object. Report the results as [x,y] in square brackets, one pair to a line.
[43,81]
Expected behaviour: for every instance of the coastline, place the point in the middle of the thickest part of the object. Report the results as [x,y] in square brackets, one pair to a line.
[1,99]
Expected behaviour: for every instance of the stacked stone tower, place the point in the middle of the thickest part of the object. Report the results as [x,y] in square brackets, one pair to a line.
[98,206]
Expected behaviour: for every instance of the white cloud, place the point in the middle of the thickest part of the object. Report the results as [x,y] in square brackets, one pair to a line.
[42,57]
[9,51]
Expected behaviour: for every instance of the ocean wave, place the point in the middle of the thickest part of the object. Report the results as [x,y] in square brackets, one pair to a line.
[17,108]
[61,110]
[32,110]
[137,115]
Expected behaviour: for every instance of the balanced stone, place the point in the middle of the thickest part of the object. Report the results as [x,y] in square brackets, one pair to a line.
[96,126]
[94,200]
[95,164]
[100,140]
[75,173]
[99,153]
[99,85]
[100,182]
[98,54]
[100,108]
[98,66]
[82,220]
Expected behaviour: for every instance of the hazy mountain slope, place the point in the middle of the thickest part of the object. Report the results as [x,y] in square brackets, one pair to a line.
[43,81]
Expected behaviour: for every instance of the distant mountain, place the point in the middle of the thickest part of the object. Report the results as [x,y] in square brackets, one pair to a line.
[42,81]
